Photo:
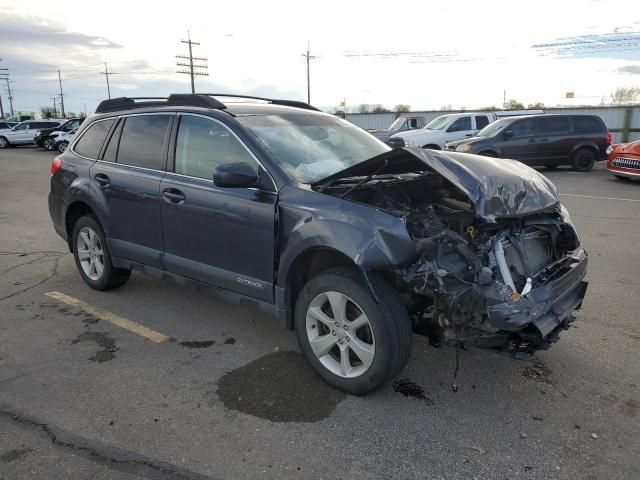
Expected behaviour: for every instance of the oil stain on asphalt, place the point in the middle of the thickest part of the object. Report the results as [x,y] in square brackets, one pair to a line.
[12,455]
[408,388]
[280,387]
[103,340]
[197,343]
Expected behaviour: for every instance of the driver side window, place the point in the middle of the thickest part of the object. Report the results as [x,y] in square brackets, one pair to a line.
[460,125]
[204,144]
[22,126]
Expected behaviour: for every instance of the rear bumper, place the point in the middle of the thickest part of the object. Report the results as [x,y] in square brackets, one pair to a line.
[548,307]
[56,212]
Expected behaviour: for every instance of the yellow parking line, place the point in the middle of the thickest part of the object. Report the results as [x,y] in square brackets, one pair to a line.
[121,322]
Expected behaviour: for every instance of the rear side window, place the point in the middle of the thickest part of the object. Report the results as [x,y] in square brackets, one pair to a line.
[141,141]
[92,139]
[204,144]
[523,128]
[587,125]
[481,121]
[553,125]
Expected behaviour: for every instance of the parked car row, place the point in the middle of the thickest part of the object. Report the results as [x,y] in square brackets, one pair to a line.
[546,140]
[50,134]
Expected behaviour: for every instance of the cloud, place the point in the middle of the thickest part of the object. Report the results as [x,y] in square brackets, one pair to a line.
[619,44]
[19,32]
[631,69]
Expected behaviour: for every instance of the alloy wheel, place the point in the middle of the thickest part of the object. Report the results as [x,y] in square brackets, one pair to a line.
[90,253]
[340,334]
[3,142]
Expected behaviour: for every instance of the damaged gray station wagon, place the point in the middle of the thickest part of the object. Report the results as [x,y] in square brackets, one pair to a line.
[306,216]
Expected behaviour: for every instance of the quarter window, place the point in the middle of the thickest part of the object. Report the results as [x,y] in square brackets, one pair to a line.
[142,140]
[112,147]
[204,144]
[481,121]
[586,125]
[92,139]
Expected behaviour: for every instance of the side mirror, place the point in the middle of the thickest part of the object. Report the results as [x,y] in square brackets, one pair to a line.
[234,175]
[507,134]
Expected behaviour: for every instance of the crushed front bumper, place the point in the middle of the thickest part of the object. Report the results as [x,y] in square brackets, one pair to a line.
[558,289]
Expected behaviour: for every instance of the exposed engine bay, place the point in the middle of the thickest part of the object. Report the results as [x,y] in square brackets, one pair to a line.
[510,283]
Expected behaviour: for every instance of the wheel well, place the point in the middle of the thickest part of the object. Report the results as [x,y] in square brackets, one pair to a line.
[432,146]
[310,264]
[74,212]
[492,153]
[586,147]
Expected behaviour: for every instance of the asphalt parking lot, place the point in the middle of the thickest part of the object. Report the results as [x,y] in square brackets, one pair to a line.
[212,390]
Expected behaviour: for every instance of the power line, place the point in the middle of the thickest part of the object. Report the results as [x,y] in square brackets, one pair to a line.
[192,72]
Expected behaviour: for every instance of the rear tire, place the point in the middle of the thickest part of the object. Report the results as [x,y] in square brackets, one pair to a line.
[62,146]
[365,343]
[92,256]
[583,160]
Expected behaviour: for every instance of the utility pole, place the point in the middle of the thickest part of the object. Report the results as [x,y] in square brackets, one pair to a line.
[61,95]
[1,109]
[106,74]
[9,92]
[55,107]
[5,76]
[308,57]
[192,72]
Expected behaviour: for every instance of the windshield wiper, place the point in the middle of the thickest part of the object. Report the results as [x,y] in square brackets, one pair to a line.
[366,179]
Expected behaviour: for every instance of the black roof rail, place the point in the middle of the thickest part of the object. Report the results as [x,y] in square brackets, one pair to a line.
[175,99]
[286,103]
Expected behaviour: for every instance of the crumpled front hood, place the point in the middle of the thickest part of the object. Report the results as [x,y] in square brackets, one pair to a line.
[496,187]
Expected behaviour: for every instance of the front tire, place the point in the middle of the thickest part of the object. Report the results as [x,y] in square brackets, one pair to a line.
[4,143]
[92,256]
[353,342]
[583,160]
[49,144]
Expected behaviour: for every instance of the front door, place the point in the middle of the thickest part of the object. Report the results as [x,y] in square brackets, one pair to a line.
[220,236]
[522,145]
[129,179]
[461,128]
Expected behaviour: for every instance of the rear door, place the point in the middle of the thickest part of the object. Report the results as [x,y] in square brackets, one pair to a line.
[220,236]
[23,133]
[523,143]
[481,121]
[128,179]
[555,140]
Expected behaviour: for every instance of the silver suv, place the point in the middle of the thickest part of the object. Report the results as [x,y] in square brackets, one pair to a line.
[23,133]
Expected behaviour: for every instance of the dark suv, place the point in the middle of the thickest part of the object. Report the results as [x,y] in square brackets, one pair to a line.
[542,140]
[47,139]
[306,216]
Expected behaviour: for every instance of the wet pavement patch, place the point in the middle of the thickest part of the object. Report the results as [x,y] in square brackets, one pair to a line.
[12,455]
[280,387]
[103,340]
[538,372]
[410,389]
[197,343]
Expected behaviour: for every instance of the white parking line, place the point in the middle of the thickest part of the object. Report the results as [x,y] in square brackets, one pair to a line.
[599,198]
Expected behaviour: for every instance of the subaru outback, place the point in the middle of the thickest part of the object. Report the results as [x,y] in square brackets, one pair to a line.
[350,243]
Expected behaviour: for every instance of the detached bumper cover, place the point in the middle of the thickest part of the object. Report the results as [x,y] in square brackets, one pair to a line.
[546,307]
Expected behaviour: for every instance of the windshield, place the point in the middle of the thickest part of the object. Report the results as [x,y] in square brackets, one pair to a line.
[312,147]
[438,123]
[397,123]
[493,128]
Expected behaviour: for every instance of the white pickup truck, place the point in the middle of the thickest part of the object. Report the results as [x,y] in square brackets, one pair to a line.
[452,127]
[443,129]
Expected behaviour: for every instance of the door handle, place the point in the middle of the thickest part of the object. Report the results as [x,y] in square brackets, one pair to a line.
[102,179]
[173,195]
[468,135]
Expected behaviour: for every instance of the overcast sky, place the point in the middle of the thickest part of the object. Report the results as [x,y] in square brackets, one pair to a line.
[425,54]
